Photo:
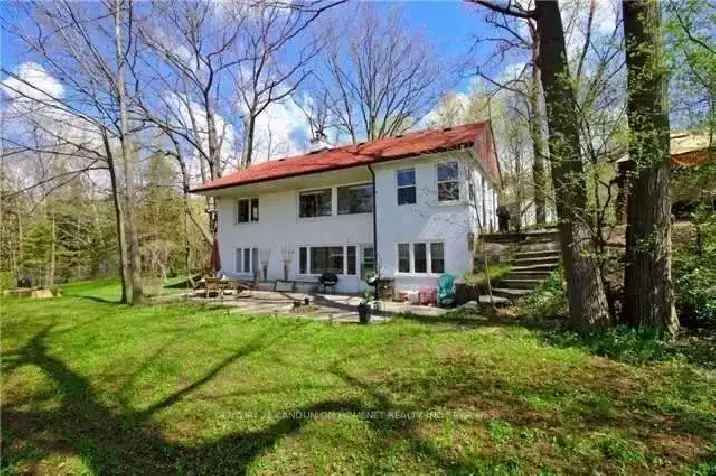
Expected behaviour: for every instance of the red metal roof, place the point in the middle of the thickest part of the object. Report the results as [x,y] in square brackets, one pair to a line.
[391,148]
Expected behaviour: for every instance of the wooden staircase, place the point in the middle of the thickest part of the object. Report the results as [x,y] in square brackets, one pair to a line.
[533,256]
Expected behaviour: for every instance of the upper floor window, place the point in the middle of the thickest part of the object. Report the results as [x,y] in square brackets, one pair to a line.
[247,210]
[316,203]
[355,199]
[448,184]
[406,186]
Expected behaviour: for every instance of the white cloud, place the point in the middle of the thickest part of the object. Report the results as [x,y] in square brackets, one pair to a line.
[575,14]
[32,82]
[189,113]
[36,109]
[282,129]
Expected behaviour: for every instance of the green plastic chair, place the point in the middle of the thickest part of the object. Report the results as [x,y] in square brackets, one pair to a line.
[446,290]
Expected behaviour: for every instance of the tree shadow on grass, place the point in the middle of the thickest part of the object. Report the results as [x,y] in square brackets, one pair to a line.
[634,346]
[128,442]
[472,319]
[94,298]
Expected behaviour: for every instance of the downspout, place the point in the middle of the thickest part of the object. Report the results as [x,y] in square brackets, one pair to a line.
[375,235]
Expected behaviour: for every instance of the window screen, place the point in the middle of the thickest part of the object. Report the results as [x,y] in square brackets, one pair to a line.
[327,259]
[437,258]
[421,257]
[403,258]
[316,203]
[448,184]
[350,260]
[406,186]
[355,199]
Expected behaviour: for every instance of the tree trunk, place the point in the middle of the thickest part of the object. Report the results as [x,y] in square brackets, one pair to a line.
[538,154]
[51,270]
[248,151]
[648,290]
[587,299]
[119,220]
[136,293]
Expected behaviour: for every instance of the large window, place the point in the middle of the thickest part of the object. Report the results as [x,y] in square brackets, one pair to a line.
[425,258]
[327,259]
[404,258]
[448,184]
[247,260]
[316,203]
[247,210]
[355,199]
[406,186]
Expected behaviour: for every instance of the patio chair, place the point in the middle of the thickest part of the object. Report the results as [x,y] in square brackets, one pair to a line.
[446,290]
[213,285]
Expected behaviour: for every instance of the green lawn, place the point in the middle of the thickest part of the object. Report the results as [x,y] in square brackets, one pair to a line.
[90,386]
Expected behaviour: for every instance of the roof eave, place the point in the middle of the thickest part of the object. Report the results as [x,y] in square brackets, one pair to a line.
[206,190]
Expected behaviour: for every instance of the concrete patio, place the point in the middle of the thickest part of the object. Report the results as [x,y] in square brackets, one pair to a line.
[322,307]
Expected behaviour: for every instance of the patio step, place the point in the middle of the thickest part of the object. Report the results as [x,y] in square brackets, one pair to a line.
[510,293]
[531,236]
[548,268]
[549,260]
[540,275]
[555,254]
[521,283]
[499,300]
[537,247]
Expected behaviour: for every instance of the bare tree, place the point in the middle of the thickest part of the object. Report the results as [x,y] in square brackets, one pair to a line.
[379,77]
[517,40]
[269,74]
[88,52]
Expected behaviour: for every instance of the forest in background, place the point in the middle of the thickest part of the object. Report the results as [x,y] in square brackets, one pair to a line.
[98,162]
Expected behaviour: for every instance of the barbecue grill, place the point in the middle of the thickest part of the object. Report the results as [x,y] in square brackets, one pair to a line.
[328,280]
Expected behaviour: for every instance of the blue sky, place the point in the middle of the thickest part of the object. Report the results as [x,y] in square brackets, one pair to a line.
[449,24]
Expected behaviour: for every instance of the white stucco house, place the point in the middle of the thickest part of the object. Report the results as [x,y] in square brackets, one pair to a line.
[419,199]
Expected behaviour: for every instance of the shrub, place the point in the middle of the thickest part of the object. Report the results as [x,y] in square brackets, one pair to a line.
[548,300]
[695,273]
[626,344]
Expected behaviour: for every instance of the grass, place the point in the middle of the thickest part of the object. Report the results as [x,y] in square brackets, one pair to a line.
[93,387]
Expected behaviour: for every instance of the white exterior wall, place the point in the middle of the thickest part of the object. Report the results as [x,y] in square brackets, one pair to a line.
[425,221]
[279,226]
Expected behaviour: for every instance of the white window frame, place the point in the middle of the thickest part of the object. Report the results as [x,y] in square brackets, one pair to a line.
[456,180]
[414,185]
[334,203]
[351,185]
[237,212]
[411,251]
[344,272]
[239,259]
